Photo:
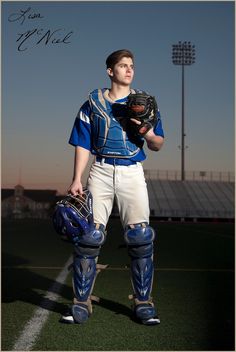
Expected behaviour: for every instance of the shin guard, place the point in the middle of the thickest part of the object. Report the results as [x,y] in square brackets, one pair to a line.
[85,270]
[139,238]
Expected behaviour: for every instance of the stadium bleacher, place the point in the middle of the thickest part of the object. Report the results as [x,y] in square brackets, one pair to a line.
[191,199]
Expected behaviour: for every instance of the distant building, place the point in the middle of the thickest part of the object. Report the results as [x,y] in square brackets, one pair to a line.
[20,203]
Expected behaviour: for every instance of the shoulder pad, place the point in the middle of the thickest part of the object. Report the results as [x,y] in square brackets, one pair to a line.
[135,91]
[95,91]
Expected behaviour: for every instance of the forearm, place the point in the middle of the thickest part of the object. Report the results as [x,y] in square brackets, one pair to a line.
[80,162]
[154,142]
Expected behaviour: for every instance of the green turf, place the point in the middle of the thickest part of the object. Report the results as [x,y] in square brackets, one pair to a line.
[22,292]
[25,245]
[189,320]
[193,289]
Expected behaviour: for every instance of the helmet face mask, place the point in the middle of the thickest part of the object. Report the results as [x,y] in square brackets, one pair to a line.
[73,216]
[82,204]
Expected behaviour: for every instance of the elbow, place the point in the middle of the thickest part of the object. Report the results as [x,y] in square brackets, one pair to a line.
[154,148]
[155,144]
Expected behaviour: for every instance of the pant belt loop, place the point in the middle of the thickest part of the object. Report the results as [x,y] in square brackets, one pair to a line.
[102,161]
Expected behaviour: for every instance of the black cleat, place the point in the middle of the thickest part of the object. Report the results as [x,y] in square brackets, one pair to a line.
[146,313]
[67,318]
[151,321]
[78,314]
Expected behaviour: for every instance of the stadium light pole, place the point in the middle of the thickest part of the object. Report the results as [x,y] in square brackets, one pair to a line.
[183,54]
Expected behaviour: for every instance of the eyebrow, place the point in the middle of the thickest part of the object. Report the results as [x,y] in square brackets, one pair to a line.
[123,63]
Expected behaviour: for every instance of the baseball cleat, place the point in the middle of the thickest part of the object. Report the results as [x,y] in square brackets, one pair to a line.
[151,321]
[146,313]
[78,314]
[67,318]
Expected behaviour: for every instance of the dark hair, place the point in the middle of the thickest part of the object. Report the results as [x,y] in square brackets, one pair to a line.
[116,56]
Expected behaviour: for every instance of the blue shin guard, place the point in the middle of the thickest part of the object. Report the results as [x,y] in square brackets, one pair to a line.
[85,270]
[139,238]
[84,274]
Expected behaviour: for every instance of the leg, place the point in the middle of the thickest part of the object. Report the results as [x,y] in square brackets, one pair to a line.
[132,195]
[100,184]
[133,203]
[85,269]
[139,238]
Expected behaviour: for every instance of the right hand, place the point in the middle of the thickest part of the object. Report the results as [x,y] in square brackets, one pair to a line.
[75,188]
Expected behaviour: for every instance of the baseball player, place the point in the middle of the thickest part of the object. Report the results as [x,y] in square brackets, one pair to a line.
[113,125]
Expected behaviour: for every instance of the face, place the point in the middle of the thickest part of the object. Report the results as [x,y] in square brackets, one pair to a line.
[123,72]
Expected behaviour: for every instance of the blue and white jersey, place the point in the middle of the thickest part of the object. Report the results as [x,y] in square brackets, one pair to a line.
[100,127]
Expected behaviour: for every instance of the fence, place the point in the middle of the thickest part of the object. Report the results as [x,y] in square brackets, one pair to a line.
[190,175]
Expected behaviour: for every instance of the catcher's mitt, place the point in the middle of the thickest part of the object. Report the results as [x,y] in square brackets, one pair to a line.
[142,107]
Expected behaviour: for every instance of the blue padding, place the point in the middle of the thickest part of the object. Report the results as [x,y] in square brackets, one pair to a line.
[142,276]
[143,251]
[140,238]
[139,235]
[92,238]
[109,137]
[84,273]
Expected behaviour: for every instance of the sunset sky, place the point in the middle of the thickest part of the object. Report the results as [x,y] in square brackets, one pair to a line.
[45,79]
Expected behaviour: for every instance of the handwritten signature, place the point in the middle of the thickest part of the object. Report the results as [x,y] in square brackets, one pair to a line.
[50,37]
[21,15]
[37,35]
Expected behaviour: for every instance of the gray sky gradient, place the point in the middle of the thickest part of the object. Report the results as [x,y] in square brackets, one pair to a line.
[44,85]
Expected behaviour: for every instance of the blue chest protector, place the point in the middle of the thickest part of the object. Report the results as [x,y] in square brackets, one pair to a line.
[110,138]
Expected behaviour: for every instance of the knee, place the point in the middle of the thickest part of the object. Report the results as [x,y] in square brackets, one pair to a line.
[94,237]
[89,244]
[139,238]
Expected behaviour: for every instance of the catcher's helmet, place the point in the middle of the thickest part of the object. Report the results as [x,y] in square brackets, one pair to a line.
[73,216]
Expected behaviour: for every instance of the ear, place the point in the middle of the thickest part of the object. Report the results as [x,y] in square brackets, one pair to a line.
[110,72]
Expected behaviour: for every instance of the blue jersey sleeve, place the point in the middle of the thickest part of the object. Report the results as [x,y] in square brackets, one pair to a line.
[158,129]
[81,131]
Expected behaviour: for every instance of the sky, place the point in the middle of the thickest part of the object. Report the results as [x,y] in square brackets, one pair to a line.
[53,55]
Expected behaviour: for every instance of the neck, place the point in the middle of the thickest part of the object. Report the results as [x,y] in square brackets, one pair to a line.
[117,91]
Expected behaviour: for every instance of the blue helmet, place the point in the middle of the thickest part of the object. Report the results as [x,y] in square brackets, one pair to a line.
[73,216]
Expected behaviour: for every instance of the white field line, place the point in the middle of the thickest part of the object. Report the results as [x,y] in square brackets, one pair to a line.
[33,327]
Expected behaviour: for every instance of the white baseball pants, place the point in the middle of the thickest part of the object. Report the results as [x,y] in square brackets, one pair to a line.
[124,183]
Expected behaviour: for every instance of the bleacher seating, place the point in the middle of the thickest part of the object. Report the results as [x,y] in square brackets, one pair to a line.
[195,199]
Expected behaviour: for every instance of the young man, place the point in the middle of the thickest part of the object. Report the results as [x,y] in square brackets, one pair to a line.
[101,128]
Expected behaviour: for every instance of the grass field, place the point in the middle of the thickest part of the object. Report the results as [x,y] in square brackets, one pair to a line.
[193,290]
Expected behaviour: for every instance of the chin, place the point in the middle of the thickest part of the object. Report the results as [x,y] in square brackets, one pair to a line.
[127,82]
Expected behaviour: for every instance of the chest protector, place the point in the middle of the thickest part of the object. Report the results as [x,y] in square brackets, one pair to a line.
[109,137]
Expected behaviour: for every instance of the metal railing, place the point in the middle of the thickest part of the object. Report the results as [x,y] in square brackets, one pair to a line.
[221,176]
